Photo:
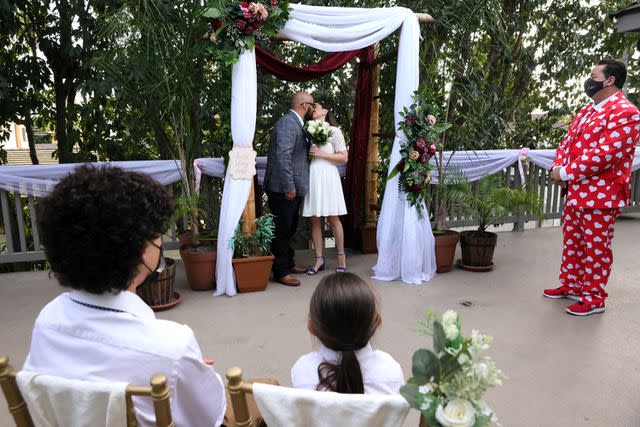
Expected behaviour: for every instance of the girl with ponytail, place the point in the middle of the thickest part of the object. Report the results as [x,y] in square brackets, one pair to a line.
[343,316]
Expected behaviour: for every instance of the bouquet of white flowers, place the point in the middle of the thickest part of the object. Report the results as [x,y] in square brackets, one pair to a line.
[319,131]
[448,382]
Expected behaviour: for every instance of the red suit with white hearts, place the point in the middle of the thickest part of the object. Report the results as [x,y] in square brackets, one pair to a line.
[595,156]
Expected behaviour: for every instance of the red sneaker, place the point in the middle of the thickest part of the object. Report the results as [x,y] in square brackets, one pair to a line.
[562,292]
[585,308]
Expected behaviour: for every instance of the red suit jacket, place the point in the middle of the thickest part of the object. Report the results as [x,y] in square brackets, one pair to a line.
[597,153]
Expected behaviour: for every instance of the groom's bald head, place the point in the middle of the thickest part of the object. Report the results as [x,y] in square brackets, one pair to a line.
[299,98]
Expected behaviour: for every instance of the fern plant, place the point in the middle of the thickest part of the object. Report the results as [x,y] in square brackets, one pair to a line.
[254,244]
[490,201]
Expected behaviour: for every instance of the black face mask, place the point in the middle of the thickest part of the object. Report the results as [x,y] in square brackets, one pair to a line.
[591,87]
[153,275]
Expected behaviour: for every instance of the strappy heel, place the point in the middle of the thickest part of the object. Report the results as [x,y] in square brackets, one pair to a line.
[341,269]
[313,271]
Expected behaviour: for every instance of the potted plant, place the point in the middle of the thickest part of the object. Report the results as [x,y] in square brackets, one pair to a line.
[197,246]
[487,204]
[448,382]
[251,258]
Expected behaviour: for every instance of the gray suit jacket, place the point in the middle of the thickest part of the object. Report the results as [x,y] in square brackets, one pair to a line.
[288,159]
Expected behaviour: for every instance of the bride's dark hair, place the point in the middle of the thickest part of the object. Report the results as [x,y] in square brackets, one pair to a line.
[330,118]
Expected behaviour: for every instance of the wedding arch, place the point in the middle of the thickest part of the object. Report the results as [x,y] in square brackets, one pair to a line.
[405,241]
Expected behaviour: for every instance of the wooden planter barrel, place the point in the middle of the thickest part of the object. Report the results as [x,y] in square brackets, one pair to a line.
[477,248]
[160,292]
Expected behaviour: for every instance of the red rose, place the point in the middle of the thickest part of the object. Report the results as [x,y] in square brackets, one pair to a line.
[413,121]
[241,24]
[274,3]
[400,166]
[406,121]
[416,188]
[216,24]
[433,149]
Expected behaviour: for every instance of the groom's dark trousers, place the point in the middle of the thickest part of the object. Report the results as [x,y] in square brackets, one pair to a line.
[286,219]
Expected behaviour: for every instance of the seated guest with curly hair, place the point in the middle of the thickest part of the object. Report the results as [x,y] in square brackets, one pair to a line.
[101,229]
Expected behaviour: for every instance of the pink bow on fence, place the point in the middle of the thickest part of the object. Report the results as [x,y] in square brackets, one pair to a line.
[522,156]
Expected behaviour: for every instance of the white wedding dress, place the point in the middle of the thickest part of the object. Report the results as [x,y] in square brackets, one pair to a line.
[325,196]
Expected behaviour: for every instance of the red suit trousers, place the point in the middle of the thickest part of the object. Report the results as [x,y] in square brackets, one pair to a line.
[587,254]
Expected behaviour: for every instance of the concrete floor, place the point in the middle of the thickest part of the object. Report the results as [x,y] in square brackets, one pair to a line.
[563,370]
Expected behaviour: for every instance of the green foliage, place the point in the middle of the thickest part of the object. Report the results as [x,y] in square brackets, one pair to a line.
[454,371]
[489,201]
[256,244]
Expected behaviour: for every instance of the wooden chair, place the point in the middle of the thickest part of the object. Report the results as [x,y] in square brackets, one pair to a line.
[238,390]
[158,391]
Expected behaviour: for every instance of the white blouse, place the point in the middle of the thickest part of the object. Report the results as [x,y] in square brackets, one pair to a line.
[381,374]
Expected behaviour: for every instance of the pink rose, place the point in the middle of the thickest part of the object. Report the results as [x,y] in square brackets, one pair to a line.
[431,119]
[414,155]
[259,11]
[433,149]
[274,3]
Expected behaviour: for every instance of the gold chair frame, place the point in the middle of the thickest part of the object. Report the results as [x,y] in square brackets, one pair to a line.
[158,391]
[238,390]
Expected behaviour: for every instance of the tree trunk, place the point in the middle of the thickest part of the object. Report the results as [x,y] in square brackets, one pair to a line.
[28,124]
[64,152]
[162,139]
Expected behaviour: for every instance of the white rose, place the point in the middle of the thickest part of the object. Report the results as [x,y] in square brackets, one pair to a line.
[449,316]
[451,331]
[457,413]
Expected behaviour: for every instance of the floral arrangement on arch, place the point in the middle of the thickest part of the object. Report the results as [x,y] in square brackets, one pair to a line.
[448,383]
[420,128]
[236,24]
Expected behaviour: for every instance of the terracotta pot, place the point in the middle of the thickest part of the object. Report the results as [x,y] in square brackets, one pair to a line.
[160,292]
[423,423]
[252,273]
[200,267]
[185,237]
[477,248]
[446,242]
[369,243]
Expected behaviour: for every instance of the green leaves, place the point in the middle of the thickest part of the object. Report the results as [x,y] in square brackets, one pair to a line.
[212,12]
[425,366]
[439,337]
[410,393]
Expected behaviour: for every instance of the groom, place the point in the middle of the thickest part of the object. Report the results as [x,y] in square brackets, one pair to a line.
[286,182]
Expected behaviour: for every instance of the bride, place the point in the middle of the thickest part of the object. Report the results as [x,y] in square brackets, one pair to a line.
[325,198]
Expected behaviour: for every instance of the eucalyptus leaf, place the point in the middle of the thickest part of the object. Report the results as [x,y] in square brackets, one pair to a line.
[425,365]
[439,337]
[410,393]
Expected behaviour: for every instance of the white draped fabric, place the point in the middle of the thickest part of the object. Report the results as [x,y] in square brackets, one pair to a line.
[38,180]
[336,29]
[244,86]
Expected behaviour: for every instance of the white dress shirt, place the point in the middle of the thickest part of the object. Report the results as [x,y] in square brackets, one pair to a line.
[75,337]
[381,374]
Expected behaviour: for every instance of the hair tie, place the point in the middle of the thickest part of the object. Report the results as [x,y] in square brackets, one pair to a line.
[348,347]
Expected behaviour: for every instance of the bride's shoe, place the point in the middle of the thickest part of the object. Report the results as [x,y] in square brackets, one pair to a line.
[342,268]
[313,271]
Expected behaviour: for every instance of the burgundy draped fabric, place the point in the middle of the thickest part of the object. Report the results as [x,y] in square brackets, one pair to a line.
[291,73]
[354,181]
